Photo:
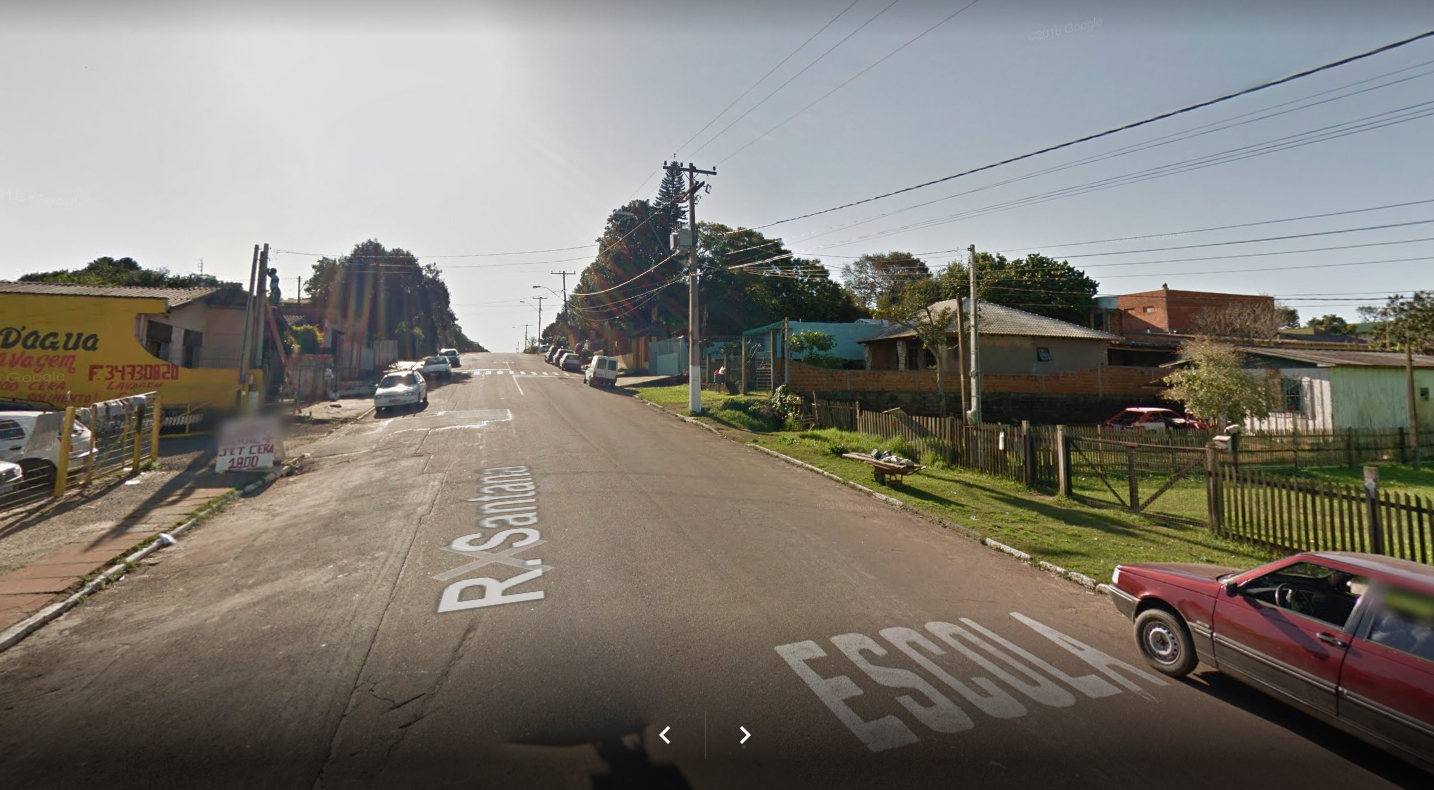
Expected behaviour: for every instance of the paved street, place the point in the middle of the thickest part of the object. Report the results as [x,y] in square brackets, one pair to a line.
[531,583]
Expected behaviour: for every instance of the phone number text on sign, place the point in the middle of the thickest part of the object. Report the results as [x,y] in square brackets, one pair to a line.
[508,500]
[247,445]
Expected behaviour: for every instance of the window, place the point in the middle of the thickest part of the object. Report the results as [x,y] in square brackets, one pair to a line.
[1405,622]
[1310,589]
[157,337]
[193,340]
[1292,392]
[1147,309]
[1043,354]
[10,431]
[1423,393]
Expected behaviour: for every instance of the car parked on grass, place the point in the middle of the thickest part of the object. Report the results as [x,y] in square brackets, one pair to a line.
[601,372]
[452,355]
[1151,418]
[399,389]
[571,362]
[31,440]
[1345,637]
[436,367]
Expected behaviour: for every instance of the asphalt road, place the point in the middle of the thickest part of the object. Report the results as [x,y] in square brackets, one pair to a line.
[362,625]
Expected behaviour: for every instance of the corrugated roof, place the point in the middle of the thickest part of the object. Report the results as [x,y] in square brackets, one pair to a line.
[1331,358]
[997,319]
[174,296]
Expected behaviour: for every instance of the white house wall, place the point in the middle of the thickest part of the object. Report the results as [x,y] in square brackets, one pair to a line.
[1377,398]
[1317,416]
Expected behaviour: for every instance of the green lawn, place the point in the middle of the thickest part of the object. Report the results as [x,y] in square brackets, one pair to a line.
[1392,477]
[677,396]
[1063,532]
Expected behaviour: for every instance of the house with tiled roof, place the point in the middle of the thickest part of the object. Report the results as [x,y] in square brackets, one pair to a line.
[1012,342]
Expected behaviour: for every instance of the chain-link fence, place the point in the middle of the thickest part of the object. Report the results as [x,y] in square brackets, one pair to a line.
[59,451]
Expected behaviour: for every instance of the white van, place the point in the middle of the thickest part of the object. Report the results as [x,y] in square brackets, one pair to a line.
[601,372]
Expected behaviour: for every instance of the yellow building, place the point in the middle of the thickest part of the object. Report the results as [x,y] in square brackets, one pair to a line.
[76,344]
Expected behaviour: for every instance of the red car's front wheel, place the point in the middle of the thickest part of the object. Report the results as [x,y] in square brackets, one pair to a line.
[1165,643]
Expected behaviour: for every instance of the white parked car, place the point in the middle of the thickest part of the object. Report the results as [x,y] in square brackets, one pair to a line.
[31,440]
[436,367]
[10,477]
[400,389]
[601,372]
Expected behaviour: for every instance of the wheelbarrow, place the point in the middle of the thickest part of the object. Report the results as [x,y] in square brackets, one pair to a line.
[882,469]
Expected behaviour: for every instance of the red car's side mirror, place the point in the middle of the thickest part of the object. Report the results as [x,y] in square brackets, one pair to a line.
[1231,589]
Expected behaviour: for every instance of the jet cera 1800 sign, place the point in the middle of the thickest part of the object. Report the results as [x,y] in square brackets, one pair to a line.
[509,499]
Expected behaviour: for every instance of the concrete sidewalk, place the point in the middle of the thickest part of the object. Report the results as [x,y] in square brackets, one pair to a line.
[51,548]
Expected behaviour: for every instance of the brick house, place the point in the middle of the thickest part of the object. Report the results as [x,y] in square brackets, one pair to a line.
[1164,311]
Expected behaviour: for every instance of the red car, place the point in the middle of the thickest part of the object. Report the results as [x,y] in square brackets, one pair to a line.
[1152,418]
[1346,637]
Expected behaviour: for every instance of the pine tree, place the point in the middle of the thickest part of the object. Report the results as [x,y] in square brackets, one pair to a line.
[671,196]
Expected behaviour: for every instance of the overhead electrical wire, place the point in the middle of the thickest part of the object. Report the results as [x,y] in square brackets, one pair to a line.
[1114,130]
[848,81]
[793,77]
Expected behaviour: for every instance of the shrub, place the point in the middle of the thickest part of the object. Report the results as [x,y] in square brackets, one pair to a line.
[902,448]
[786,403]
[304,339]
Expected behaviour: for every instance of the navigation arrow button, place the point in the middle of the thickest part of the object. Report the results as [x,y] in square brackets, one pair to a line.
[663,735]
[745,735]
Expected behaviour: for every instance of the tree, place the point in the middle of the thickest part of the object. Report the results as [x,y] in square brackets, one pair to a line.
[124,272]
[1246,319]
[304,339]
[385,294]
[877,280]
[671,199]
[812,347]
[1035,283]
[1404,322]
[1215,387]
[1330,324]
[921,310]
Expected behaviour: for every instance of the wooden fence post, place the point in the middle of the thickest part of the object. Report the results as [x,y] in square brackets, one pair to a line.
[1028,451]
[1214,501]
[1403,446]
[138,439]
[62,460]
[1349,446]
[154,426]
[1134,481]
[1063,462]
[1371,494]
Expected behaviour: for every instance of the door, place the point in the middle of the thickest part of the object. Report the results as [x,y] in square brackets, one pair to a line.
[1284,632]
[12,441]
[1387,686]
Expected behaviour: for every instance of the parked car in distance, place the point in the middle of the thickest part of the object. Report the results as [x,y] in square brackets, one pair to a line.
[436,367]
[556,354]
[571,361]
[1345,637]
[11,476]
[544,348]
[601,372]
[1151,418]
[404,388]
[31,440]
[452,355]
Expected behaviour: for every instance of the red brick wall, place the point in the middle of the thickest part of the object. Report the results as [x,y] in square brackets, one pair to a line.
[1173,311]
[1100,381]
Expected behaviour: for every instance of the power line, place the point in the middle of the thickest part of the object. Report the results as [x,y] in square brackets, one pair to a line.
[793,77]
[848,81]
[1118,129]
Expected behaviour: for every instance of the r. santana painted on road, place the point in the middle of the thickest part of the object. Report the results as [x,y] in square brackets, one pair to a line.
[509,499]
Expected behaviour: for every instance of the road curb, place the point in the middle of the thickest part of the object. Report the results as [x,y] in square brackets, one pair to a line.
[966,532]
[690,420]
[17,632]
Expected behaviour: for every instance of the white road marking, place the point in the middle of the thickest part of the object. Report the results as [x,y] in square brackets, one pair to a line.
[519,386]
[931,707]
[508,498]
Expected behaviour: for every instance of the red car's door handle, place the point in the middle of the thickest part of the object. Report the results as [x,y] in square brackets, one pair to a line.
[1331,639]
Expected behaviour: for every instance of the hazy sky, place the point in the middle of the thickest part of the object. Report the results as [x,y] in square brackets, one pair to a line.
[173,133]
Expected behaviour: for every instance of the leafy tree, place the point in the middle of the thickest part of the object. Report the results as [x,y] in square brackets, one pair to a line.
[1404,322]
[877,280]
[921,309]
[1035,283]
[304,339]
[124,271]
[1214,386]
[385,293]
[1330,324]
[811,346]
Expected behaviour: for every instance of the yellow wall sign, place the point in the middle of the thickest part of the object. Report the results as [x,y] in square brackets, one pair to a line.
[60,350]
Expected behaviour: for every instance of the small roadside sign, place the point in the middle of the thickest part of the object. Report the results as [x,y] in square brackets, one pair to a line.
[250,444]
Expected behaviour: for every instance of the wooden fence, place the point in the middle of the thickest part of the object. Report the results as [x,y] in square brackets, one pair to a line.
[1297,514]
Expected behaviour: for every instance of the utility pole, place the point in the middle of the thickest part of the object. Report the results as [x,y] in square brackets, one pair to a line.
[974,416]
[261,304]
[299,289]
[540,315]
[525,337]
[694,334]
[248,322]
[564,275]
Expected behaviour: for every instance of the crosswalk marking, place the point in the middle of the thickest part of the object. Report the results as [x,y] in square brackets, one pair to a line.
[533,373]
